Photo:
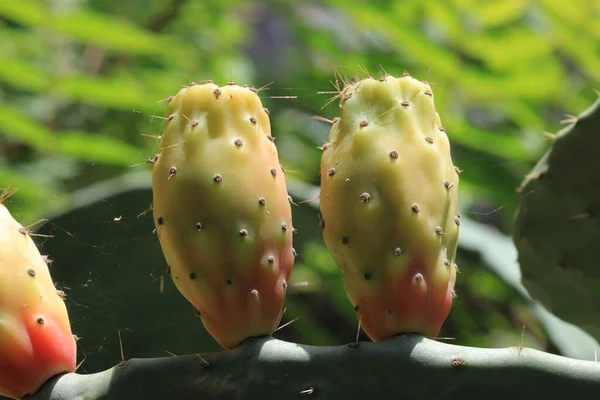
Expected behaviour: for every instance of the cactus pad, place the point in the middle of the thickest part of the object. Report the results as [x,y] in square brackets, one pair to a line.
[557,224]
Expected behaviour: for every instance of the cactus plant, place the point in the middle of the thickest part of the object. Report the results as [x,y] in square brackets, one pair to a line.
[36,342]
[389,206]
[557,225]
[221,210]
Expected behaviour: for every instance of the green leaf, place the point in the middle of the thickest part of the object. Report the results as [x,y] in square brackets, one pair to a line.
[28,13]
[406,38]
[109,32]
[499,144]
[31,194]
[74,144]
[525,114]
[511,49]
[97,148]
[117,92]
[577,13]
[89,27]
[19,126]
[584,50]
[492,13]
[25,45]
[532,83]
[22,74]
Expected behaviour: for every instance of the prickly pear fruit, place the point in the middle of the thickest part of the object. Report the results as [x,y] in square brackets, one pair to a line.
[222,212]
[389,206]
[36,342]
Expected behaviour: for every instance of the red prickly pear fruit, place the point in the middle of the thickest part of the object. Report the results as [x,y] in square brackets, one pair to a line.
[389,206]
[221,210]
[36,342]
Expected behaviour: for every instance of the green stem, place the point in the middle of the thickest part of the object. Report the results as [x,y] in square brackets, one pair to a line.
[405,367]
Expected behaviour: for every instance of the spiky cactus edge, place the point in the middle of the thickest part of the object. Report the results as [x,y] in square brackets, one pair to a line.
[557,227]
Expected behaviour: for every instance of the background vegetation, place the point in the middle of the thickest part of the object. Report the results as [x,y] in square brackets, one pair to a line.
[81,81]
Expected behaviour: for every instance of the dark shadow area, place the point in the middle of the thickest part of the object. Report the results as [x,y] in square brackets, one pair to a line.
[111,271]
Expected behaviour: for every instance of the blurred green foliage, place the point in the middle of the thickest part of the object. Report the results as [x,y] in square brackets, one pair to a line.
[81,84]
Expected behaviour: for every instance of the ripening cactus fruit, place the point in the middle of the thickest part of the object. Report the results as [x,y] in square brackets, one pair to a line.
[389,206]
[36,342]
[221,210]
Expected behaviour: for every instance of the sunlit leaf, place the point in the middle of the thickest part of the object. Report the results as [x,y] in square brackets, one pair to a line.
[29,13]
[407,40]
[97,148]
[115,92]
[511,48]
[21,127]
[584,50]
[542,82]
[79,145]
[21,74]
[499,144]
[493,13]
[525,114]
[25,45]
[109,32]
[31,194]
[577,13]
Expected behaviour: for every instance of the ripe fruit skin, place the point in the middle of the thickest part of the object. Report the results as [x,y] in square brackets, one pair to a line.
[221,210]
[36,342]
[389,206]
